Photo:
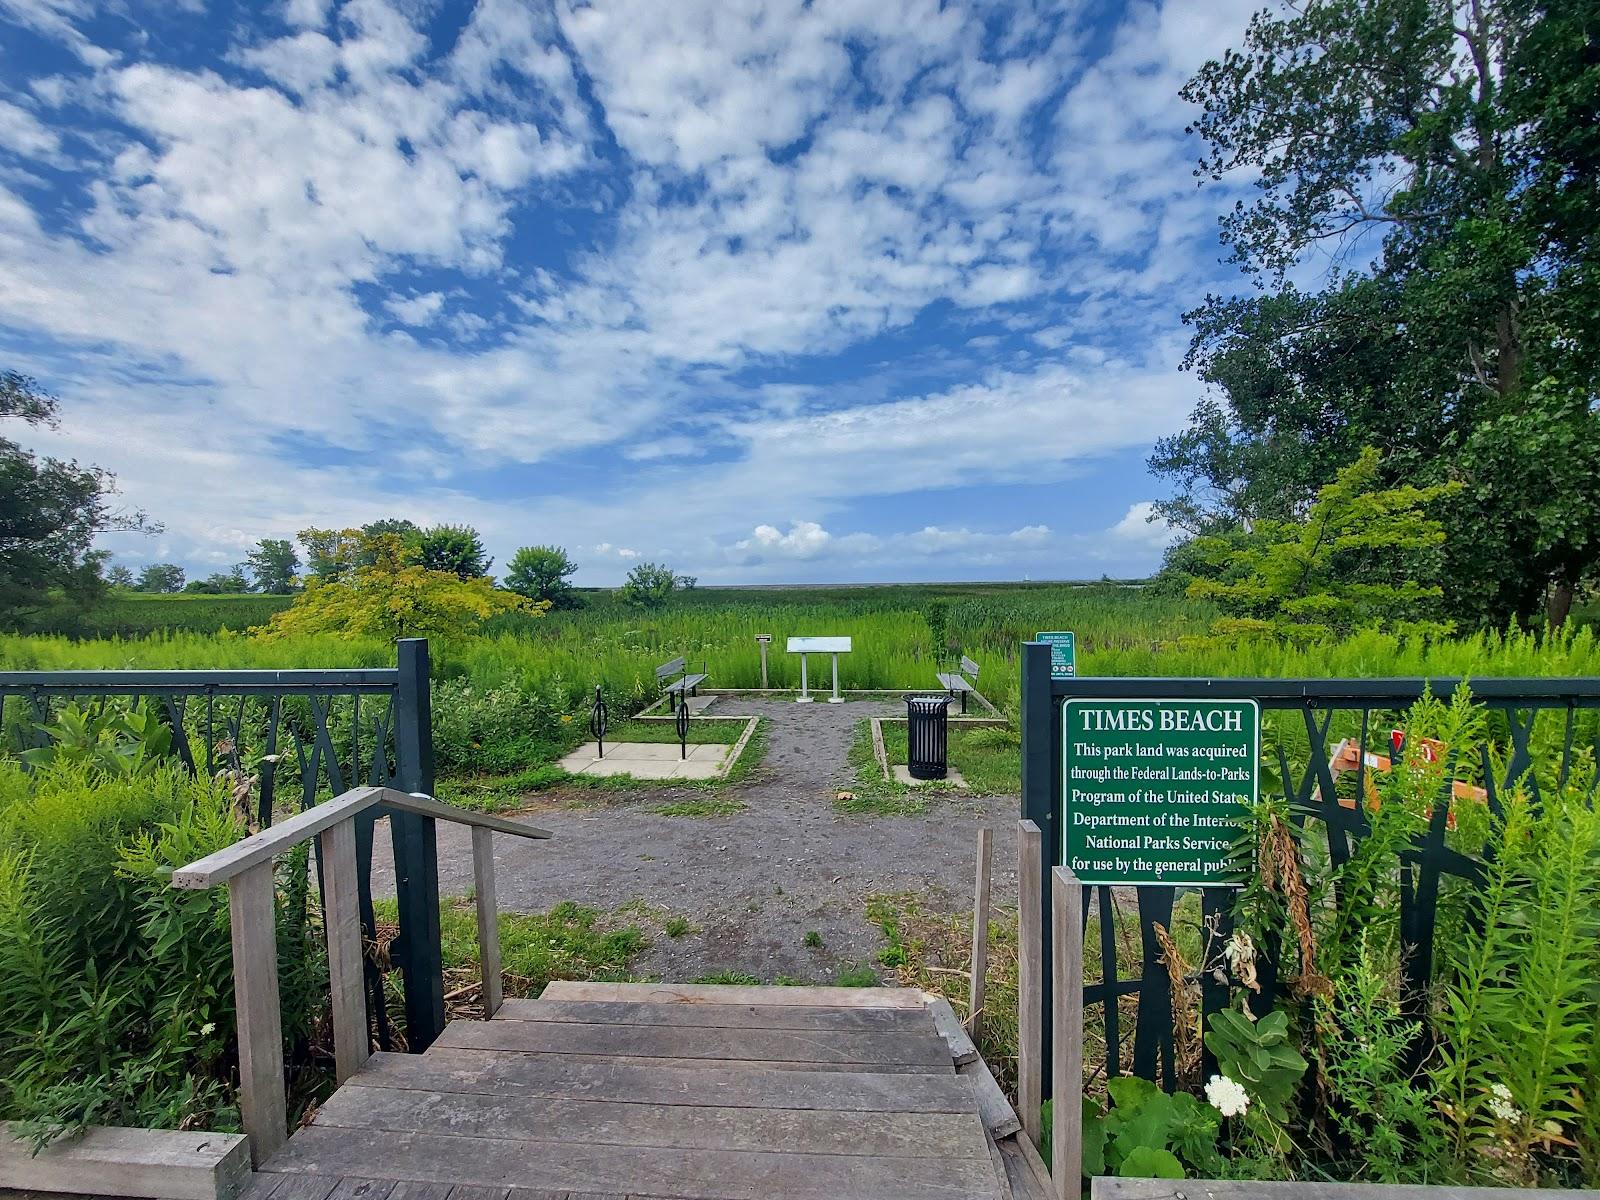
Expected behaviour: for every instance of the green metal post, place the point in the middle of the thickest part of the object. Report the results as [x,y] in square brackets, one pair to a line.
[1039,785]
[416,855]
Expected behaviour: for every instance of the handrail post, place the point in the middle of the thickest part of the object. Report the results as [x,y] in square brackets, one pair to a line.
[252,913]
[1030,997]
[488,917]
[1066,1127]
[341,919]
[416,855]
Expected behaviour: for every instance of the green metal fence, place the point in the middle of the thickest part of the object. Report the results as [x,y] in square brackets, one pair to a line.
[320,730]
[1310,789]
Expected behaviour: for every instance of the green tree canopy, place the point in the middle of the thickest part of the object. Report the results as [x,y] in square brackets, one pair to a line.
[1361,555]
[161,577]
[1441,155]
[542,573]
[454,548]
[272,564]
[50,513]
[648,586]
[394,597]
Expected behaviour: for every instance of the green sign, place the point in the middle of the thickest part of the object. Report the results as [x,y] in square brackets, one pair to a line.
[1063,654]
[1152,790]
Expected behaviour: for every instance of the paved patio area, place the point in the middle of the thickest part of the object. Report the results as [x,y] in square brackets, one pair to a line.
[647,760]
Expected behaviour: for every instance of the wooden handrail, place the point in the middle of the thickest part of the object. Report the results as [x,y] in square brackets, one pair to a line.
[246,868]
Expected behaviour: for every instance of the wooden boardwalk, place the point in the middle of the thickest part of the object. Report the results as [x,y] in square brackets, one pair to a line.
[688,1092]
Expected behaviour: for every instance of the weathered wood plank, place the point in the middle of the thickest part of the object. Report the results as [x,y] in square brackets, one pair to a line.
[1066,1003]
[252,904]
[428,807]
[1030,995]
[962,1049]
[613,1123]
[469,1192]
[488,917]
[706,1174]
[263,847]
[415,1189]
[305,1187]
[978,983]
[1030,1180]
[1110,1188]
[998,1114]
[723,993]
[112,1161]
[341,917]
[922,1050]
[362,1189]
[489,1073]
[716,1016]
[742,1064]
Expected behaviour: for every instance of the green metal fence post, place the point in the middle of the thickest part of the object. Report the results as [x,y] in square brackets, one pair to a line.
[1039,782]
[416,856]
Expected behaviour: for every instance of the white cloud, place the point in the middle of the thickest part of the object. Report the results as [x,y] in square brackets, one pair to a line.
[709,190]
[1141,526]
[805,539]
[416,310]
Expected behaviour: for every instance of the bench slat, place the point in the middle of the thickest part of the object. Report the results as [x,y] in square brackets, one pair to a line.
[670,668]
[954,683]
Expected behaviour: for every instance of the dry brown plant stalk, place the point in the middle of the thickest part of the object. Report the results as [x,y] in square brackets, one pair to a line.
[1185,1010]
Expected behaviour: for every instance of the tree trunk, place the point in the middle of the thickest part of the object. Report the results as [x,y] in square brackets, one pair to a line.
[1557,604]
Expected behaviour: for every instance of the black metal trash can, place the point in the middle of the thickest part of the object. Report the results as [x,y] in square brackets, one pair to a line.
[927,736]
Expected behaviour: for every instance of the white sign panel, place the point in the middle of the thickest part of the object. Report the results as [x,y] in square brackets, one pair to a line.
[819,645]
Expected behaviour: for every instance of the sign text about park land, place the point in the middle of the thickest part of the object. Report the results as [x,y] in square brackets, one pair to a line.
[1153,790]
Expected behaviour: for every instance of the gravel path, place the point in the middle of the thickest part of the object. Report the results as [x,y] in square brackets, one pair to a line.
[754,883]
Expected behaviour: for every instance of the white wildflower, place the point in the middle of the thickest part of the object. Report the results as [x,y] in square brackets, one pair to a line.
[1500,1103]
[208,1028]
[1226,1096]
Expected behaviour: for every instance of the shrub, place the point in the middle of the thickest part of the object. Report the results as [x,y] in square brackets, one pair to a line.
[116,995]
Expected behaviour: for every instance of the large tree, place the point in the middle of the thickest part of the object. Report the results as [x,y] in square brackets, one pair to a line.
[272,565]
[50,513]
[454,548]
[1437,157]
[542,573]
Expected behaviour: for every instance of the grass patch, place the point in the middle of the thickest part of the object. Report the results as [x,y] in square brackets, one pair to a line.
[701,806]
[571,941]
[677,927]
[989,757]
[498,793]
[703,731]
[812,940]
[873,795]
[738,978]
[859,975]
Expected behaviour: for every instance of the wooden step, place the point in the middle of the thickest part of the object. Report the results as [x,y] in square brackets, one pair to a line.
[720,993]
[514,1075]
[810,1018]
[963,1172]
[827,1050]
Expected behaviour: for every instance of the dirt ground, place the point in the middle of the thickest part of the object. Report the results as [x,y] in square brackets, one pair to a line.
[755,883]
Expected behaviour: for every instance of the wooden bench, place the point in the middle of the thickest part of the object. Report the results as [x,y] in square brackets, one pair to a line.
[681,688]
[956,682]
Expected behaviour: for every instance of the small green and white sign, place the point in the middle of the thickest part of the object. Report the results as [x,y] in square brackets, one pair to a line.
[1063,653]
[1153,790]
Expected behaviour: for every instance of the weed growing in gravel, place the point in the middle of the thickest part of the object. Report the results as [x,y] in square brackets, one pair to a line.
[812,940]
[702,806]
[859,975]
[677,927]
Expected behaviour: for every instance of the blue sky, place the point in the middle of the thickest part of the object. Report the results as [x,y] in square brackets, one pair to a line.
[770,291]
